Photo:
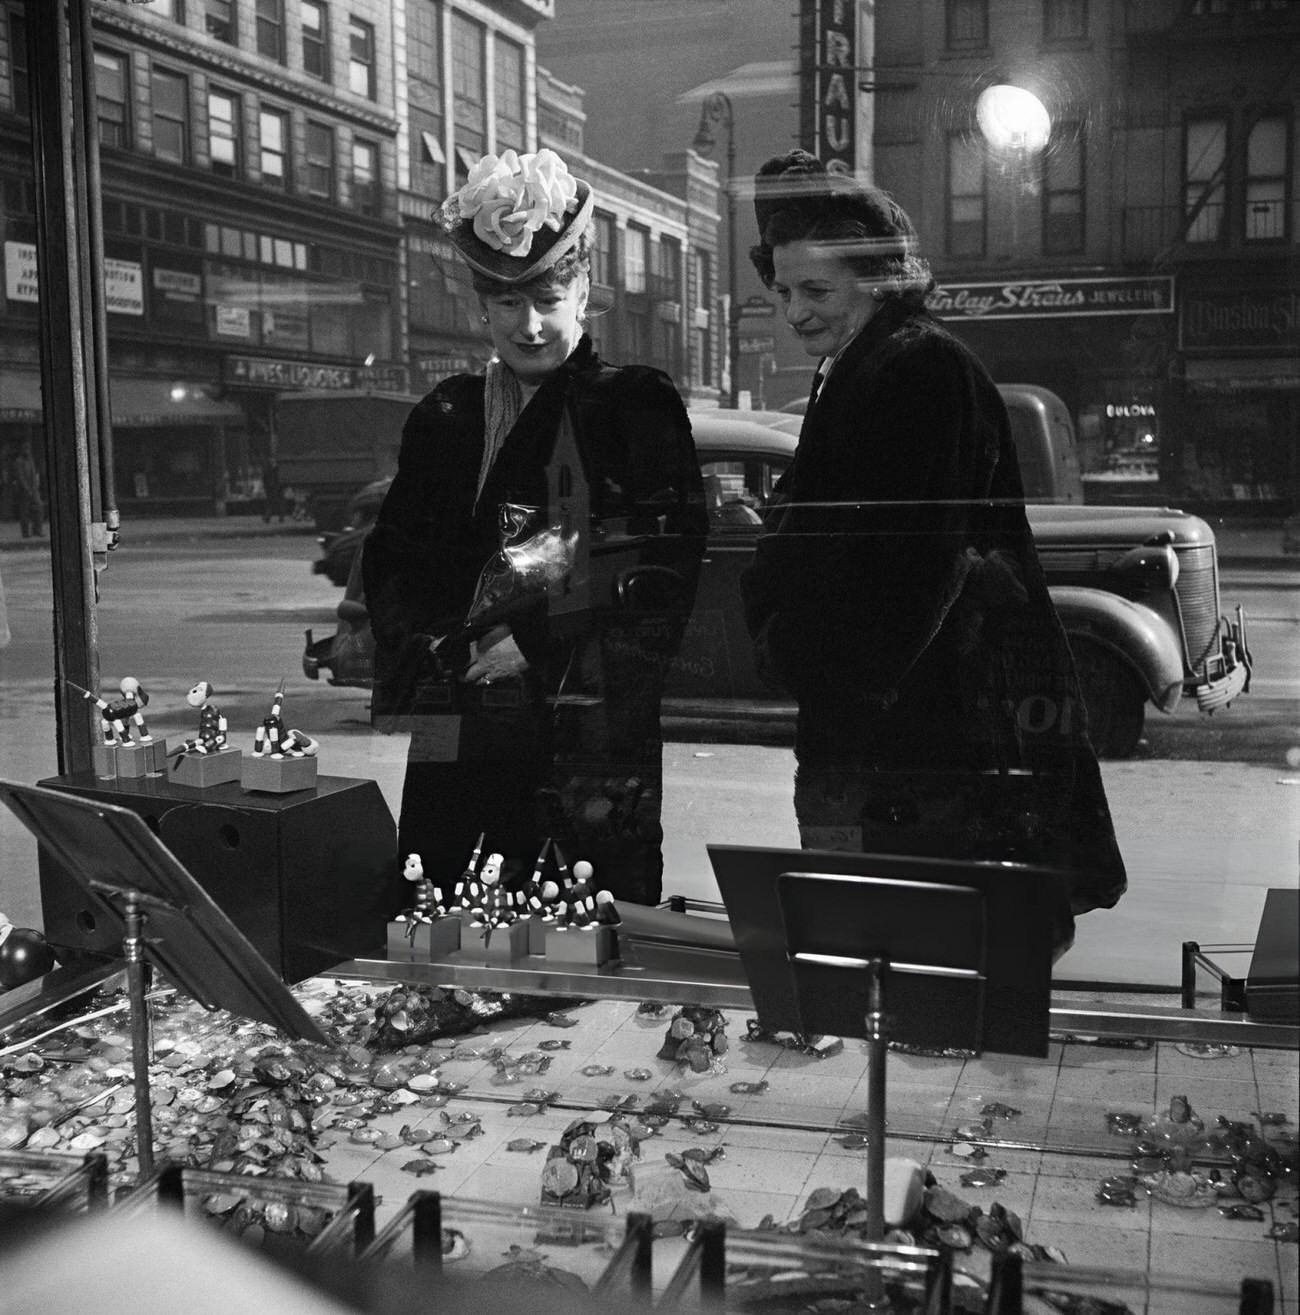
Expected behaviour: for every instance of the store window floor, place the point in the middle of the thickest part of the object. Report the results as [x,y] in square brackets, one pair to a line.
[1047,1148]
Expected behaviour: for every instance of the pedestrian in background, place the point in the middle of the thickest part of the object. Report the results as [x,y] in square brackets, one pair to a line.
[897,594]
[272,494]
[28,505]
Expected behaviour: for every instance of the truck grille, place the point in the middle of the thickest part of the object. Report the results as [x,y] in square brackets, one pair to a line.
[1198,600]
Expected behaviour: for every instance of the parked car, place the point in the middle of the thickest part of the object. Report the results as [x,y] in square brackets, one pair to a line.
[339,547]
[1137,588]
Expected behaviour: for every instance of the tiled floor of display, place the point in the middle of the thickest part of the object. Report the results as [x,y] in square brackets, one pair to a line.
[781,1143]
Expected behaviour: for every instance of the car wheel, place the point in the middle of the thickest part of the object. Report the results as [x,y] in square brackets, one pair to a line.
[1114,698]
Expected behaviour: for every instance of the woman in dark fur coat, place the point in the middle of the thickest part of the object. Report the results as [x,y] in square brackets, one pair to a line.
[897,594]
[533,694]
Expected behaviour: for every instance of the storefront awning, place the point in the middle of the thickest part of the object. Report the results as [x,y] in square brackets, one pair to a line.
[135,402]
[1252,374]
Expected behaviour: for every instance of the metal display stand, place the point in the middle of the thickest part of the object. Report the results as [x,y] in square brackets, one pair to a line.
[136,883]
[912,956]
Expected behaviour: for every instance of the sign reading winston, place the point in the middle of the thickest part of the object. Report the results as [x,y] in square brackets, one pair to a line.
[1040,298]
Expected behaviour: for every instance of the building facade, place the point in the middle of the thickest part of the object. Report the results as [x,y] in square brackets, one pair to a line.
[270,173]
[1143,262]
[248,170]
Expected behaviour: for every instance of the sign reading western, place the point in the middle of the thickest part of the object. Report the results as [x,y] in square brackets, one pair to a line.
[123,280]
[1040,298]
[828,48]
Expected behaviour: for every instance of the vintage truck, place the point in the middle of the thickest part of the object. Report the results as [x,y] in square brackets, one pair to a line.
[1137,588]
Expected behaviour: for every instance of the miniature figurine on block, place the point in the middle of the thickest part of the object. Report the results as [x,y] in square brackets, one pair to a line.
[207,759]
[282,759]
[583,931]
[127,748]
[502,936]
[423,931]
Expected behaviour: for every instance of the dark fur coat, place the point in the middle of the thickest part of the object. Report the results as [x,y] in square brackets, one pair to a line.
[579,762]
[898,596]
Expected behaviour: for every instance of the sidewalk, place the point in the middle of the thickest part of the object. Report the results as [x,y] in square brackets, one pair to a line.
[1244,543]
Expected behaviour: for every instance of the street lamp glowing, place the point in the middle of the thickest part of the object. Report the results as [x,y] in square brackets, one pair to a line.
[1012,118]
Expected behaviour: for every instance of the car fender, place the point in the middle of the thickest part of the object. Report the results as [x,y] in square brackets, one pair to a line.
[1139,636]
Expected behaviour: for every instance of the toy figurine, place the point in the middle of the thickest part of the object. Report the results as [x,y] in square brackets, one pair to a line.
[273,740]
[428,897]
[122,720]
[467,892]
[212,724]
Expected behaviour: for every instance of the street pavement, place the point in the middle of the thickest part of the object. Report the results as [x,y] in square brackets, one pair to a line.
[1203,841]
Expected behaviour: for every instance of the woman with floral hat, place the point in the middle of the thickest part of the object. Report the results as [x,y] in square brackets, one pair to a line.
[534,561]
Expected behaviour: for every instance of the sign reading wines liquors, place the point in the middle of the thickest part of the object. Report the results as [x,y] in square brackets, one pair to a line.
[1040,298]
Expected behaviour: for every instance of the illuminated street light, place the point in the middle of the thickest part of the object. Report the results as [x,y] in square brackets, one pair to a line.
[717,110]
[1012,118]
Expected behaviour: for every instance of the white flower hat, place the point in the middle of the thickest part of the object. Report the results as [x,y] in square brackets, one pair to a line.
[517,215]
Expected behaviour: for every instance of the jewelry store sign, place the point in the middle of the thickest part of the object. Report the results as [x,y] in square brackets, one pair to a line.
[1053,298]
[123,280]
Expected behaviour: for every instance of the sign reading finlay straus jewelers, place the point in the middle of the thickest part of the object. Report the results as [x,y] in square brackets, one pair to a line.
[1044,298]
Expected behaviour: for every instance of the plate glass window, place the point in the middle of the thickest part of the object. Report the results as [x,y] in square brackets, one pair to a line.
[223,133]
[365,176]
[171,118]
[274,153]
[966,198]
[270,29]
[1204,168]
[315,40]
[1266,156]
[111,98]
[219,20]
[320,161]
[468,86]
[361,58]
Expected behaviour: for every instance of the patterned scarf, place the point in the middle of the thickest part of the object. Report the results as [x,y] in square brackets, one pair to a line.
[502,402]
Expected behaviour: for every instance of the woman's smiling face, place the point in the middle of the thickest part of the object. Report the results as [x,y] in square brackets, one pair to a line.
[535,329]
[825,301]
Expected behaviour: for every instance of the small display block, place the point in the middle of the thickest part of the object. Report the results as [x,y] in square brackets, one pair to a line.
[505,945]
[201,770]
[103,758]
[133,760]
[418,942]
[277,775]
[589,946]
[537,929]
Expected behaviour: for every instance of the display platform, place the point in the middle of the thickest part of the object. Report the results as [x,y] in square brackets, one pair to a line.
[309,877]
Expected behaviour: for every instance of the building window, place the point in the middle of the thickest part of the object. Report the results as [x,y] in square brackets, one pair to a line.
[173,9]
[315,40]
[18,80]
[320,161]
[1063,191]
[424,45]
[467,85]
[1065,20]
[111,96]
[219,20]
[223,133]
[171,118]
[365,176]
[966,23]
[635,246]
[668,269]
[273,126]
[1266,157]
[508,67]
[424,96]
[602,250]
[270,29]
[361,58]
[966,196]
[1203,172]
